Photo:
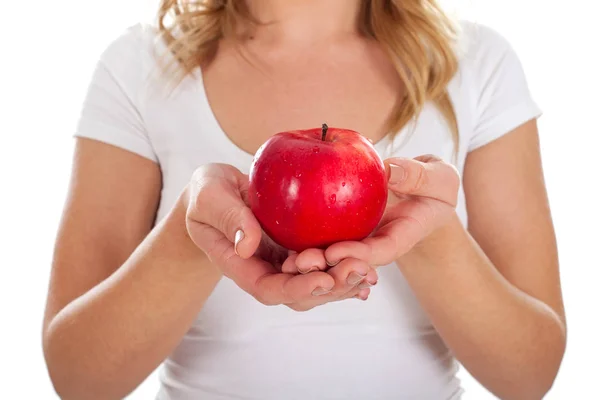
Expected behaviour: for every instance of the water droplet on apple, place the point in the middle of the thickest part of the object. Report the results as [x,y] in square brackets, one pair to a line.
[277,222]
[360,180]
[332,198]
[343,184]
[316,149]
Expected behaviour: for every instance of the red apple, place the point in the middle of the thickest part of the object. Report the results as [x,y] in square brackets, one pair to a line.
[311,188]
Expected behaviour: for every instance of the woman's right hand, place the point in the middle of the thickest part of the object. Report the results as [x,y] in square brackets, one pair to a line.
[220,223]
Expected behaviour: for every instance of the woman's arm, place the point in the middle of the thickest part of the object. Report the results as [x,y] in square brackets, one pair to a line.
[122,294]
[493,293]
[102,343]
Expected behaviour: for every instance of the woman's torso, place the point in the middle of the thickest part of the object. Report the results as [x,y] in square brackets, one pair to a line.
[384,348]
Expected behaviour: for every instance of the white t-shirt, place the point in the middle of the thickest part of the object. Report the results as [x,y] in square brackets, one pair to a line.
[384,348]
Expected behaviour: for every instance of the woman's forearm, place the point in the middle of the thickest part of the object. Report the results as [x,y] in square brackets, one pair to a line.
[106,342]
[511,342]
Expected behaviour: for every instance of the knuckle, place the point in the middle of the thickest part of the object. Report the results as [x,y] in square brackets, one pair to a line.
[453,173]
[226,252]
[229,217]
[429,158]
[205,182]
[200,191]
[265,300]
[260,298]
[218,250]
[198,174]
[245,195]
[453,179]
[299,307]
[430,214]
[270,302]
[262,295]
[420,178]
[196,232]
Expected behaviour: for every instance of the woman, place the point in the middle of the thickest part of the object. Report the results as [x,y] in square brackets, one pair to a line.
[158,258]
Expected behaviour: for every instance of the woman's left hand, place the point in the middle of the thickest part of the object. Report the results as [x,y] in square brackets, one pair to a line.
[422,197]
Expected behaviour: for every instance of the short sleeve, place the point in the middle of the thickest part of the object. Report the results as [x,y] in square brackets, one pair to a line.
[111,110]
[503,100]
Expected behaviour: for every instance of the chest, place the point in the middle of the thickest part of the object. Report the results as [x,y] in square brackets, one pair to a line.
[253,98]
[223,116]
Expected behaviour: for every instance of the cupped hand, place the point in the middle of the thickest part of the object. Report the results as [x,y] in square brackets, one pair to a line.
[423,194]
[220,223]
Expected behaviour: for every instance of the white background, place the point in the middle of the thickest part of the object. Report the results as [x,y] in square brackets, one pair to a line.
[49,49]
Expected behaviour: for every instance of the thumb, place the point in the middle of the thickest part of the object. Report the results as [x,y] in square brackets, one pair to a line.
[425,176]
[217,201]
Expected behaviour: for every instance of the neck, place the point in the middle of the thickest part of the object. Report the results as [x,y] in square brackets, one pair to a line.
[305,20]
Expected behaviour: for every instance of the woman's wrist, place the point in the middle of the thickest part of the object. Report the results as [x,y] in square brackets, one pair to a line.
[439,245]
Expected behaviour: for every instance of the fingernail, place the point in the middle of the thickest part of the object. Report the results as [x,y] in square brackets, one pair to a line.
[354,278]
[397,174]
[366,285]
[320,291]
[239,236]
[332,264]
[306,271]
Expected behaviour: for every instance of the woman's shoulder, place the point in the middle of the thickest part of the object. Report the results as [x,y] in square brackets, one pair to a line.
[135,43]
[137,58]
[480,34]
[482,47]
[493,82]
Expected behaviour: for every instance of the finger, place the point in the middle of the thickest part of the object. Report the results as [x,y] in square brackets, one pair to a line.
[212,242]
[270,251]
[254,275]
[279,288]
[261,280]
[289,265]
[217,200]
[348,249]
[311,260]
[394,240]
[391,240]
[355,293]
[371,279]
[307,261]
[349,274]
[383,249]
[361,294]
[425,176]
[417,219]
[307,288]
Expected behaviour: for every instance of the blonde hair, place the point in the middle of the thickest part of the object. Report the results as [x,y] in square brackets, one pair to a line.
[416,34]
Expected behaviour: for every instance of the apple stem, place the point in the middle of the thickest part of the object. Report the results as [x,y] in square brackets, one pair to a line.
[324,128]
